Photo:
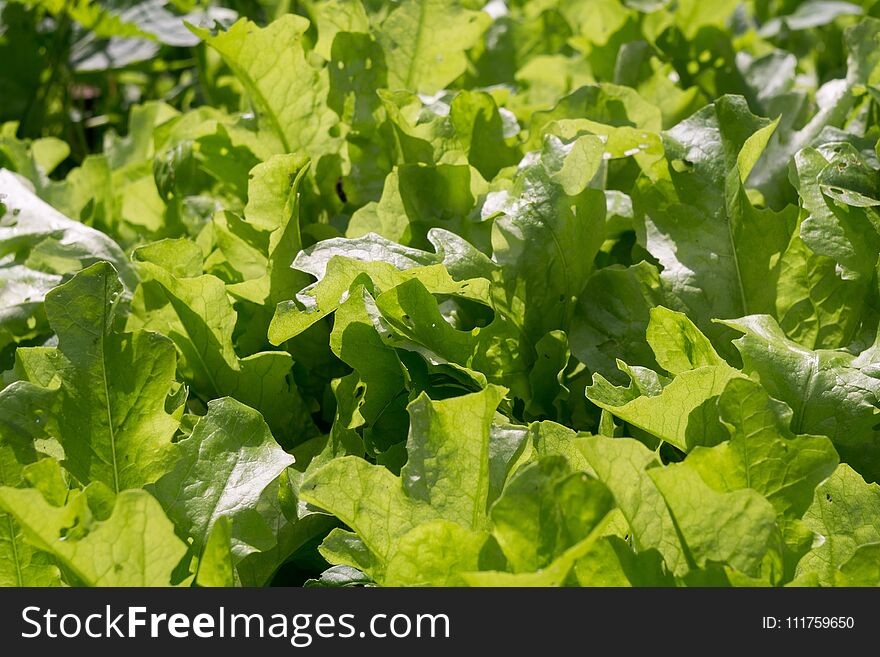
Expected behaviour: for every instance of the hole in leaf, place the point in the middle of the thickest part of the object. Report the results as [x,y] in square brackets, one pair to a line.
[682,166]
[464,314]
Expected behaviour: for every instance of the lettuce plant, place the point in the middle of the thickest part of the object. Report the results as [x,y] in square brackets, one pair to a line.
[439,292]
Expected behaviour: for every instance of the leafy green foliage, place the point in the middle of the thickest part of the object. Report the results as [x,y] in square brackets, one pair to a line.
[427,293]
[109,409]
[134,546]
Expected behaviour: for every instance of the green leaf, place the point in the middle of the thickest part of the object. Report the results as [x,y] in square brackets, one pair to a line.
[844,516]
[849,180]
[216,567]
[546,509]
[678,345]
[612,562]
[37,245]
[287,90]
[22,292]
[831,392]
[446,479]
[733,528]
[370,500]
[407,314]
[448,466]
[417,198]
[555,574]
[433,554]
[611,319]
[551,439]
[719,253]
[681,411]
[357,71]
[558,292]
[691,15]
[547,378]
[21,564]
[356,341]
[862,569]
[196,313]
[23,425]
[224,466]
[98,20]
[86,193]
[425,43]
[137,145]
[297,527]
[339,577]
[273,209]
[818,304]
[835,100]
[482,132]
[682,414]
[134,546]
[602,106]
[622,464]
[844,234]
[494,350]
[547,235]
[334,17]
[109,414]
[467,128]
[34,159]
[762,453]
